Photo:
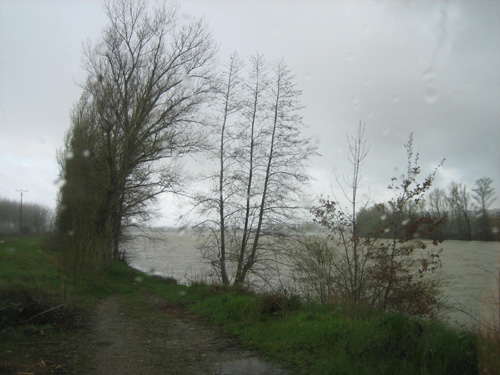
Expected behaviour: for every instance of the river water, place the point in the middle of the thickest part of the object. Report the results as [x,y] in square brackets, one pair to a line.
[470,268]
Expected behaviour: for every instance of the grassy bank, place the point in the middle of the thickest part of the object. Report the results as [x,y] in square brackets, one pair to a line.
[42,313]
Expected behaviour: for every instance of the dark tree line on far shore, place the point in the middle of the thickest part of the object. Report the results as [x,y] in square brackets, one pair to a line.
[465,213]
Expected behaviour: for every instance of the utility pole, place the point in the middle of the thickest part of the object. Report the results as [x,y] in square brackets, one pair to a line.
[21,211]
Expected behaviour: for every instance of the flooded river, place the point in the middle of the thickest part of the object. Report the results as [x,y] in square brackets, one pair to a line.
[469,267]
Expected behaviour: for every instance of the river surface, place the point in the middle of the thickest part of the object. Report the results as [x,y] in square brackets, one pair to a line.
[470,268]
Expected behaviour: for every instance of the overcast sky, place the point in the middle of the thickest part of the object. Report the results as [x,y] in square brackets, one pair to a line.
[431,68]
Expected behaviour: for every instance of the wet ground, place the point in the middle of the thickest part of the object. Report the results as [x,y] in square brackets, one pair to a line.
[163,339]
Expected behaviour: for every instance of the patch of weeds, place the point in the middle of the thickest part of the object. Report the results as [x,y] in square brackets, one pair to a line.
[441,350]
[279,303]
[489,353]
[22,308]
[395,336]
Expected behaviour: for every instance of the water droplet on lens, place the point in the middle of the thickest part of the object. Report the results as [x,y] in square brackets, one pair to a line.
[307,202]
[69,155]
[183,230]
[427,74]
[86,153]
[355,103]
[495,230]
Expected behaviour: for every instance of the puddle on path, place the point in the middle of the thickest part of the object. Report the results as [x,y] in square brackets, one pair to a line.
[247,366]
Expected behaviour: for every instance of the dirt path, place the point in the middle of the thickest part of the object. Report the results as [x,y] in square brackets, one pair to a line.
[162,339]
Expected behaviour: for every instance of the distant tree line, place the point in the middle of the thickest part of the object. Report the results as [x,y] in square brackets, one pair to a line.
[36,218]
[465,214]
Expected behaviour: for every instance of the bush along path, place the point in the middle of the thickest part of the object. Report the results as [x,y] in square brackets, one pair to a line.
[126,322]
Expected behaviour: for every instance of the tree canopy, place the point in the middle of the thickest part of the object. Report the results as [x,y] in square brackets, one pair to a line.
[148,76]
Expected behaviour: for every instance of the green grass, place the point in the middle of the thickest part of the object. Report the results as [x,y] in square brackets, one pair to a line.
[22,262]
[326,340]
[314,339]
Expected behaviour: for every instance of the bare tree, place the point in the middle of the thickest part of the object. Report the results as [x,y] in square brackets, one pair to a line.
[227,103]
[439,207]
[148,77]
[405,282]
[261,171]
[351,252]
[460,201]
[358,152]
[484,195]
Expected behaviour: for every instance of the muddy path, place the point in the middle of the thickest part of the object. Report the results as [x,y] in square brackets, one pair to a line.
[156,338]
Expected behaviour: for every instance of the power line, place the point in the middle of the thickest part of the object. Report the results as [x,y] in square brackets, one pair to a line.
[6,179]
